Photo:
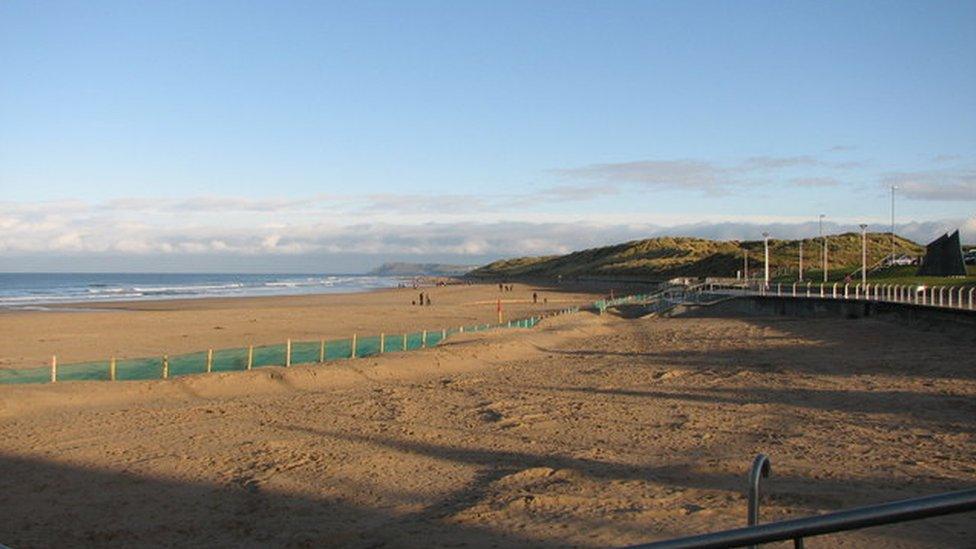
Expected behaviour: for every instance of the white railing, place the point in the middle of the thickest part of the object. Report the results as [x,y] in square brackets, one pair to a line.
[948,297]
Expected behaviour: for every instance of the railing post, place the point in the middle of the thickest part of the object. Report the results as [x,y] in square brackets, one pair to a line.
[808,288]
[846,290]
[833,291]
[941,291]
[794,289]
[821,289]
[760,469]
[971,297]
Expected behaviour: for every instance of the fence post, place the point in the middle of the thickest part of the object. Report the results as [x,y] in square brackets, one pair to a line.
[794,289]
[111,369]
[287,353]
[54,368]
[250,356]
[352,352]
[423,339]
[165,367]
[382,342]
[971,297]
[941,290]
[834,291]
[209,360]
[821,289]
[808,288]
[322,350]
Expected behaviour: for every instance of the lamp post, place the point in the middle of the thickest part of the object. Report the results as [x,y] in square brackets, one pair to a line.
[824,239]
[801,261]
[766,259]
[893,187]
[864,254]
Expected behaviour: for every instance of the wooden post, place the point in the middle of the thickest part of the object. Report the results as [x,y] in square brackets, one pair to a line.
[54,368]
[443,334]
[404,342]
[209,360]
[111,369]
[322,351]
[250,356]
[423,339]
[352,353]
[165,367]
[382,342]
[287,353]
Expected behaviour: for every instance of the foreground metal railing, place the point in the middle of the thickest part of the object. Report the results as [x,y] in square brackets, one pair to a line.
[839,521]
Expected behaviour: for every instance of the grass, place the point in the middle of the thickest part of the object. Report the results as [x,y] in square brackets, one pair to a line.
[669,257]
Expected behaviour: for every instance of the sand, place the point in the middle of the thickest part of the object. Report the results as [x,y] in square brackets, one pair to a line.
[99,331]
[585,431]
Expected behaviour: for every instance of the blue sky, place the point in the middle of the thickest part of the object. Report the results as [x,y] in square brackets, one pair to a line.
[260,134]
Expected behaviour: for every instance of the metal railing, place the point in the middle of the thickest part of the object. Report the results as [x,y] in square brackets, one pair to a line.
[951,297]
[838,521]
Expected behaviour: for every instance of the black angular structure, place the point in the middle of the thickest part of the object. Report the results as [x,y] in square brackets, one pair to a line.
[943,257]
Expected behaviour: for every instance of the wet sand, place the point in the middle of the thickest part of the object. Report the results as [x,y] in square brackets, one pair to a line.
[585,431]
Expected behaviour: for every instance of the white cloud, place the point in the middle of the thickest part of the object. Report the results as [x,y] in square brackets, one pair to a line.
[936,185]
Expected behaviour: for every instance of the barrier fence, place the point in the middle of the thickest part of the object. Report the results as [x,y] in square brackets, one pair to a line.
[953,297]
[246,358]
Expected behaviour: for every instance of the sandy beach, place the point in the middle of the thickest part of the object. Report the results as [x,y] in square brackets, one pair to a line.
[584,431]
[98,331]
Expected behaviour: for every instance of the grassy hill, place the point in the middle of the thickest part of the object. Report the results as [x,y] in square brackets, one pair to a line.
[669,257]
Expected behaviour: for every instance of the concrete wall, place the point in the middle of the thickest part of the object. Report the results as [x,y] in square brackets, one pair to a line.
[957,321]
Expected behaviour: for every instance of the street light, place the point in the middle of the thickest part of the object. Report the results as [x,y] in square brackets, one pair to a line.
[801,260]
[893,187]
[824,239]
[864,254]
[766,259]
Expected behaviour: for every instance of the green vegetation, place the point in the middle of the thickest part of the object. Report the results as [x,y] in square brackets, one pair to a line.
[669,257]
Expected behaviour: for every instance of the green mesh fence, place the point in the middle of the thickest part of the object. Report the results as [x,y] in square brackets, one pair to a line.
[227,360]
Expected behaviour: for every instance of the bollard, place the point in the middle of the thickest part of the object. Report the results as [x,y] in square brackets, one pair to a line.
[423,339]
[250,356]
[352,352]
[54,368]
[287,353]
[322,351]
[111,369]
[165,367]
[209,360]
[382,342]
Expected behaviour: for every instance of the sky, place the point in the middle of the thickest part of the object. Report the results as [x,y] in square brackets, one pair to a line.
[330,137]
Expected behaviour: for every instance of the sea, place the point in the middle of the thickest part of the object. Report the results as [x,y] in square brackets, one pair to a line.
[38,291]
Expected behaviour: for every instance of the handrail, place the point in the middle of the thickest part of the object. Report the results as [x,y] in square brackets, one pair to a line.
[838,521]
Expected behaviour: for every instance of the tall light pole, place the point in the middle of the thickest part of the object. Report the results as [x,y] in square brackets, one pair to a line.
[824,239]
[893,187]
[801,260]
[766,259]
[864,254]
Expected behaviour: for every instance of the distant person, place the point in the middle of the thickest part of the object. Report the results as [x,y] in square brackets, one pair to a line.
[428,300]
[535,297]
[421,298]
[545,301]
[413,302]
[500,287]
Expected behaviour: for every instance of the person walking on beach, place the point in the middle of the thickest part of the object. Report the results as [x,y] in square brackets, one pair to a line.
[428,300]
[535,297]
